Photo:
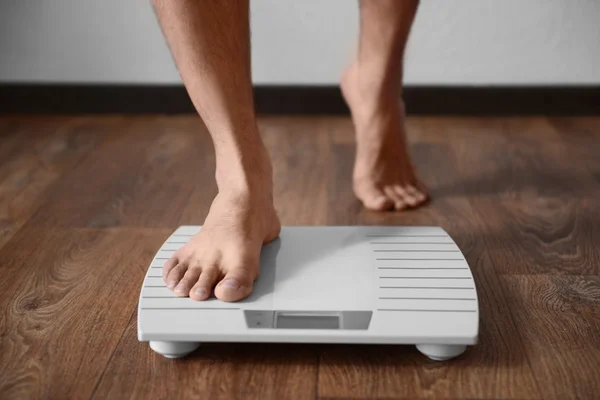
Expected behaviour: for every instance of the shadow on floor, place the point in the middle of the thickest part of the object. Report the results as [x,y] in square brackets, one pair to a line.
[485,354]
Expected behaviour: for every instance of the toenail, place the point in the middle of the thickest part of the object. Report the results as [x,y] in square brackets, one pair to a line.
[200,291]
[179,288]
[172,284]
[231,283]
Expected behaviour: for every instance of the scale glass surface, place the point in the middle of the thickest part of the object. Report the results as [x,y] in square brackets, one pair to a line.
[327,284]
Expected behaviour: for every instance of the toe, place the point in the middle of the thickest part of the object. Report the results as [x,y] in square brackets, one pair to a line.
[187,282]
[236,285]
[168,266]
[176,274]
[399,203]
[378,202]
[205,283]
[416,193]
[408,197]
[374,199]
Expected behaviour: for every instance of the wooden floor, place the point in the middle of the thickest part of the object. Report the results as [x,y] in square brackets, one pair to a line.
[86,201]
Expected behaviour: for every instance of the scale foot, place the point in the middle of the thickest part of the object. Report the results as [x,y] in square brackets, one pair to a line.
[441,352]
[174,349]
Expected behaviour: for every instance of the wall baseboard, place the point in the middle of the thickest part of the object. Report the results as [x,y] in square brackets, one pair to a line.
[310,100]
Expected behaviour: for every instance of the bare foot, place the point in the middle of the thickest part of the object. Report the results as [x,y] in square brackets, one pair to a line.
[224,255]
[384,177]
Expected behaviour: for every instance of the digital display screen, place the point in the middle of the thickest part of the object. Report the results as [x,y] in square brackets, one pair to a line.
[307,321]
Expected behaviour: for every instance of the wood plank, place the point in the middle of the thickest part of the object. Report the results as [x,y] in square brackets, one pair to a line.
[523,187]
[299,149]
[141,175]
[34,154]
[542,221]
[67,296]
[214,371]
[9,145]
[559,320]
[203,186]
[581,139]
[496,367]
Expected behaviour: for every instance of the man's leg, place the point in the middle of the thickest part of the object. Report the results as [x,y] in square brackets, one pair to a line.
[210,43]
[384,177]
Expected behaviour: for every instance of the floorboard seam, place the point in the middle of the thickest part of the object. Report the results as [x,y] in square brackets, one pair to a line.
[505,298]
[317,372]
[50,190]
[512,317]
[111,356]
[481,222]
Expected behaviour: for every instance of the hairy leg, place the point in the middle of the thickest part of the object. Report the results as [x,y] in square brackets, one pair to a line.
[210,42]
[384,176]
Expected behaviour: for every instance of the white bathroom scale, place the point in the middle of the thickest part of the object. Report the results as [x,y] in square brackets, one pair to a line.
[329,284]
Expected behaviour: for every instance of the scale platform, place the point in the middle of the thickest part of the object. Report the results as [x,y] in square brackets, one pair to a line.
[330,284]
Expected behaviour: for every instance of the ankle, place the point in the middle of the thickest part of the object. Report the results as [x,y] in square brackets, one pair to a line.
[376,79]
[370,97]
[245,171]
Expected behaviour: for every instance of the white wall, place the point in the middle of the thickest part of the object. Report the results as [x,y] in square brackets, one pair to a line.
[308,42]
